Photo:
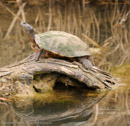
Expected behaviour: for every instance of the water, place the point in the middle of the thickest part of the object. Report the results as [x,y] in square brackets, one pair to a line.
[69,108]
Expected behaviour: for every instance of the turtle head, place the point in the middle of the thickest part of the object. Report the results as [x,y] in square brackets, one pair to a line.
[28,28]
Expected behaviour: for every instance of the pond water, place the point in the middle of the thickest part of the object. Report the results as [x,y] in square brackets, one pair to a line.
[66,108]
[69,108]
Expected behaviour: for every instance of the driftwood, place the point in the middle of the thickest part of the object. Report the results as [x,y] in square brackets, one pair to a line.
[29,75]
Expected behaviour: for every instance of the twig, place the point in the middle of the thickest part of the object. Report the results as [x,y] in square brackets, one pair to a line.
[4,99]
[91,41]
[124,18]
[13,22]
[50,16]
[15,15]
[22,10]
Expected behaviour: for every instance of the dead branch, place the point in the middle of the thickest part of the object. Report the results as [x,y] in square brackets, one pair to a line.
[13,21]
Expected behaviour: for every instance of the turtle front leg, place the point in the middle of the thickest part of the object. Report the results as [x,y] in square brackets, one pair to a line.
[38,54]
[85,62]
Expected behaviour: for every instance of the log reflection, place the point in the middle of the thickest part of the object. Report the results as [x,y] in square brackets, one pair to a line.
[70,109]
[54,108]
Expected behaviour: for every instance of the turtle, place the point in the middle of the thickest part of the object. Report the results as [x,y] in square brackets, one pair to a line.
[60,44]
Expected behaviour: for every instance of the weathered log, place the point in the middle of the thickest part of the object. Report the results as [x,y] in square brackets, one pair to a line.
[22,77]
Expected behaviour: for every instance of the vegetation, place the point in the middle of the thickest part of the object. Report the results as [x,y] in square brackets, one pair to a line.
[106,22]
[122,72]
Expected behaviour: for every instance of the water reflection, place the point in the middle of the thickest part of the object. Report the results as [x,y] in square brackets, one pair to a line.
[113,110]
[58,108]
[69,109]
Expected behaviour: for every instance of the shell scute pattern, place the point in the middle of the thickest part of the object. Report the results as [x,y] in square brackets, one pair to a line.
[62,43]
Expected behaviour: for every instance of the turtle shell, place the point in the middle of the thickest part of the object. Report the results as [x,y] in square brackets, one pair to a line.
[62,43]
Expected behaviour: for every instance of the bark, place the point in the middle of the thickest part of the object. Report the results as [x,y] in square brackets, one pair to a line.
[29,75]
